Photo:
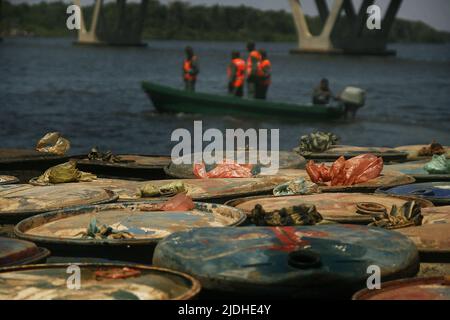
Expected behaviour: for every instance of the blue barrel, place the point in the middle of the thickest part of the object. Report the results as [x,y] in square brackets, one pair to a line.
[282,262]
[436,192]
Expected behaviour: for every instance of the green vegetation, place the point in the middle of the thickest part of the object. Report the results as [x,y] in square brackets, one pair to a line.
[179,20]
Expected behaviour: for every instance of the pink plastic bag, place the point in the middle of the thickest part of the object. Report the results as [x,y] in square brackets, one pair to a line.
[346,172]
[227,169]
[180,202]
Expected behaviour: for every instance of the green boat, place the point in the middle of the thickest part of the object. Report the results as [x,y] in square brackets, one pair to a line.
[166,99]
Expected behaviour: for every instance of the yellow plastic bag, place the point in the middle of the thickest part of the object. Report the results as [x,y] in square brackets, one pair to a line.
[63,173]
[53,142]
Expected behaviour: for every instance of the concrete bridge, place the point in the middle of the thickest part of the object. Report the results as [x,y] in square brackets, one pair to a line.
[343,28]
[125,29]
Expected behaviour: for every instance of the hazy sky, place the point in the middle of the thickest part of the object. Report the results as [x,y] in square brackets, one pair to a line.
[433,12]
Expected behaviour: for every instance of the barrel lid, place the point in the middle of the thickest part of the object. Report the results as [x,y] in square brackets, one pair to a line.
[22,200]
[416,170]
[432,238]
[287,160]
[388,154]
[436,192]
[15,252]
[337,207]
[386,179]
[413,151]
[434,288]
[14,155]
[287,261]
[198,189]
[98,282]
[8,180]
[132,161]
[146,227]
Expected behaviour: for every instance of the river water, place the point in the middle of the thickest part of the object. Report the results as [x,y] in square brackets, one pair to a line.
[92,94]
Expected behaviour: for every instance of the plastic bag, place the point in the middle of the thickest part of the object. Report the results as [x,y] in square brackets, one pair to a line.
[180,202]
[53,142]
[227,169]
[316,142]
[438,165]
[63,173]
[346,172]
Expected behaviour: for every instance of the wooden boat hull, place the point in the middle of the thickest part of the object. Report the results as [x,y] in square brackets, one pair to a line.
[166,99]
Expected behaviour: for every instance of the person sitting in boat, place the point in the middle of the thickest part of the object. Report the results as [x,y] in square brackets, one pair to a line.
[254,58]
[236,75]
[322,93]
[190,69]
[264,75]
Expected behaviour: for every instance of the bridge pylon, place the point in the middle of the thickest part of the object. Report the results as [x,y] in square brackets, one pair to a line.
[344,29]
[123,29]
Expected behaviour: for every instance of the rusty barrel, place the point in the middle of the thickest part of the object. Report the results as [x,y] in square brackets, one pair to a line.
[130,166]
[386,179]
[432,238]
[22,200]
[388,154]
[286,160]
[27,163]
[434,288]
[17,252]
[416,170]
[64,232]
[335,207]
[436,192]
[97,282]
[211,190]
[287,262]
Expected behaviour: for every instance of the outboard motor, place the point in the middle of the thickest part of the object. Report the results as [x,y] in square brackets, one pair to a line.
[353,98]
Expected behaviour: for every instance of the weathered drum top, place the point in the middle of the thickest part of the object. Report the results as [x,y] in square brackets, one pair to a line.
[388,154]
[16,252]
[338,207]
[98,282]
[198,189]
[132,161]
[416,170]
[437,192]
[144,226]
[433,236]
[20,200]
[287,160]
[286,260]
[8,180]
[435,288]
[388,178]
[413,151]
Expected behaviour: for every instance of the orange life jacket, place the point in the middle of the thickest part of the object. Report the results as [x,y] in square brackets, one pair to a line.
[239,77]
[187,68]
[256,55]
[263,65]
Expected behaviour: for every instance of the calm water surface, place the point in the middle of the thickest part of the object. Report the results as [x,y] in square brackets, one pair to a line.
[92,94]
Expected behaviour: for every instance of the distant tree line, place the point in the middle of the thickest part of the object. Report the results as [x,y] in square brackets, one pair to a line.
[179,20]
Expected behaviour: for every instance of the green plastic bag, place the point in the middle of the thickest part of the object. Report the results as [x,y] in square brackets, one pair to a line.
[438,165]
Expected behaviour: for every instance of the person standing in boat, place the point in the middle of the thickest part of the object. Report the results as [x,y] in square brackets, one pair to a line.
[236,75]
[253,60]
[322,94]
[190,69]
[264,75]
